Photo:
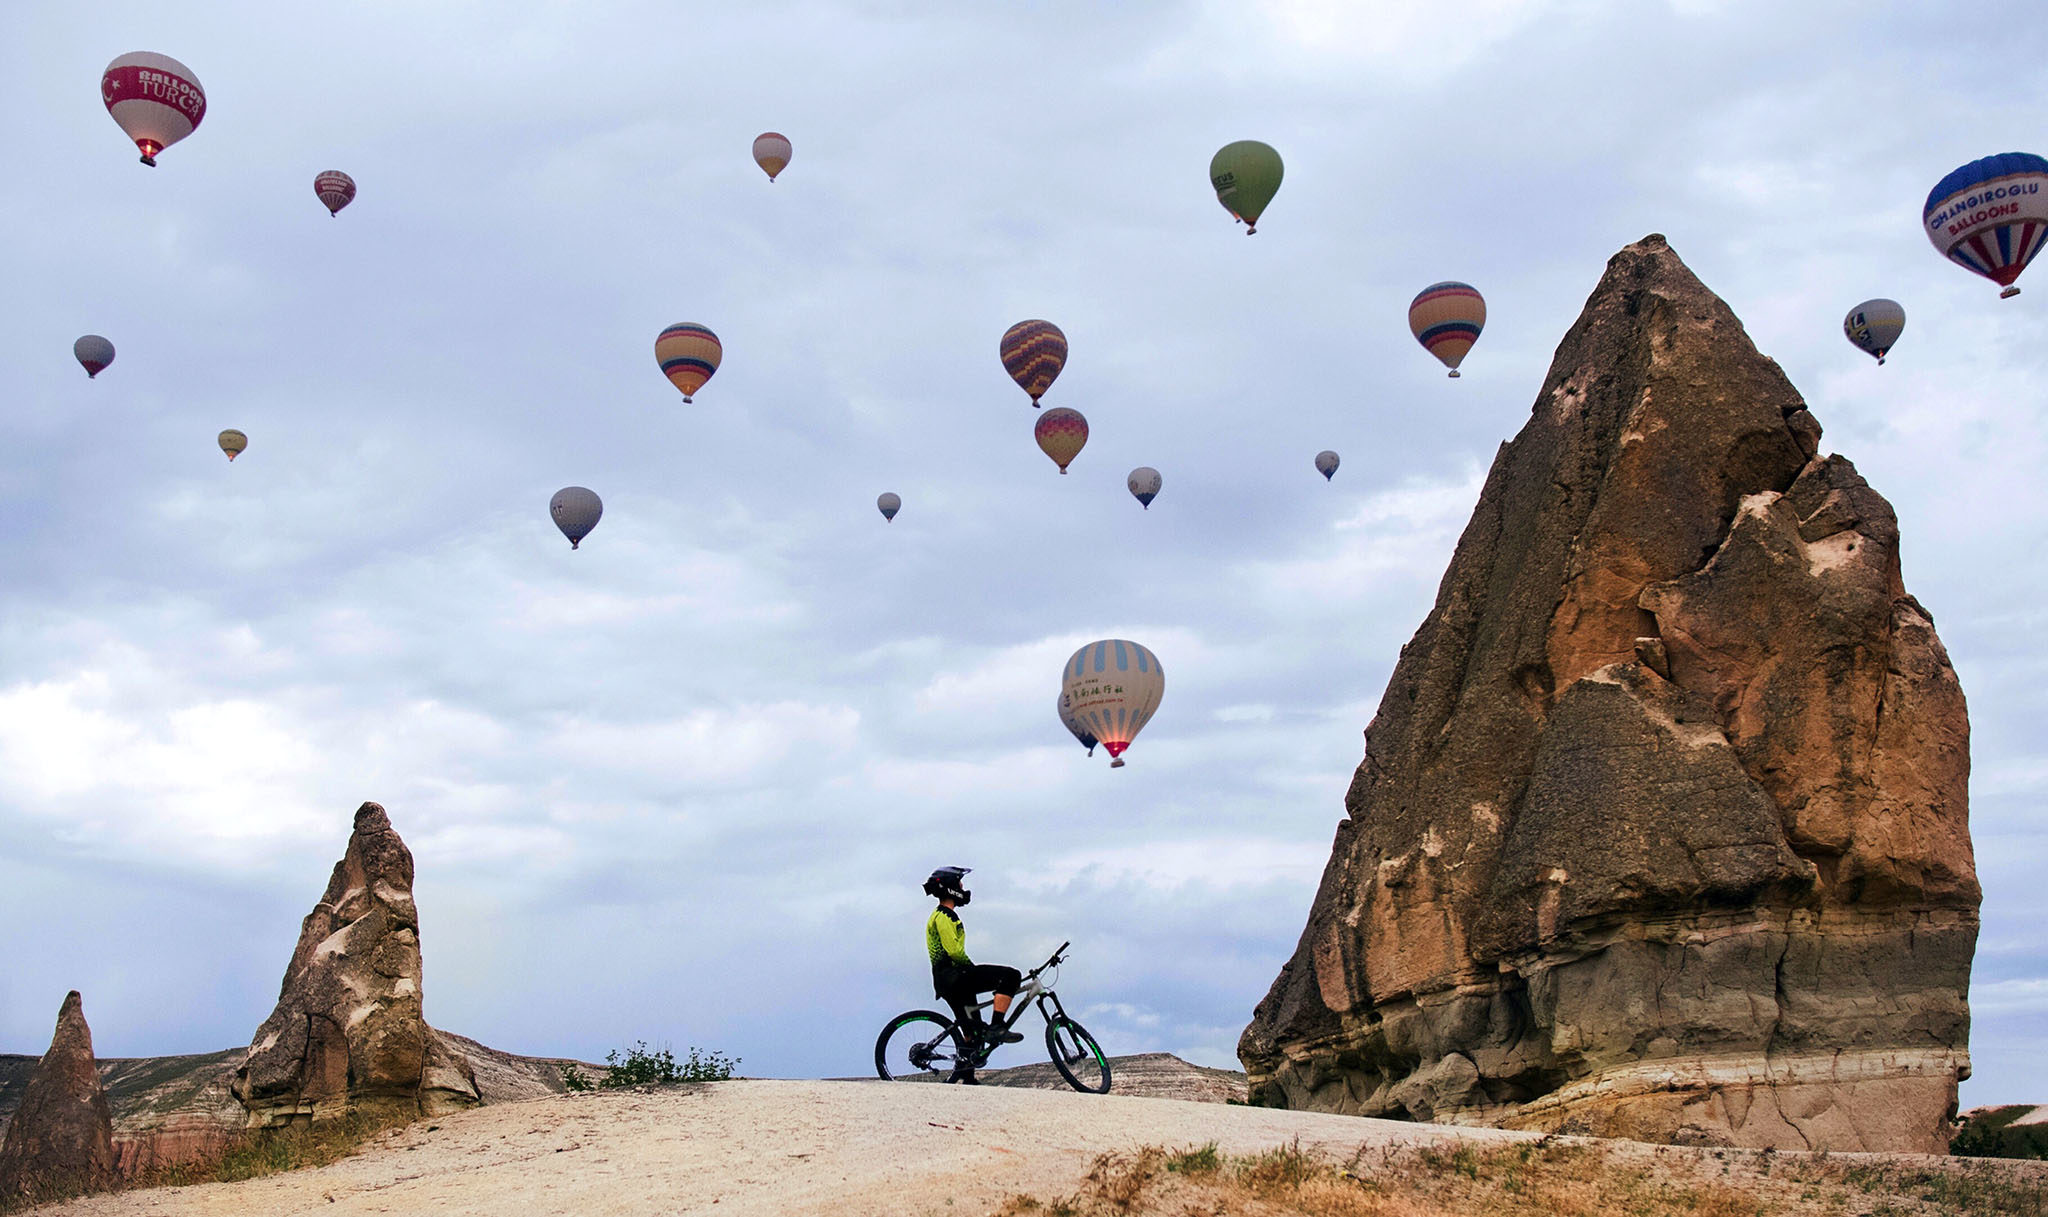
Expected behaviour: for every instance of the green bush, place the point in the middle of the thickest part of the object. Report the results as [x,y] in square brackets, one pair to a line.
[639,1067]
[572,1078]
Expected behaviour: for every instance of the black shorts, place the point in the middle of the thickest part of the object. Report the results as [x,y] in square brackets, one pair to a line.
[960,985]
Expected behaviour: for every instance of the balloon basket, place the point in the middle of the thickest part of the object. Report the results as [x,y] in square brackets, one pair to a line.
[2009,292]
[1118,763]
[1454,373]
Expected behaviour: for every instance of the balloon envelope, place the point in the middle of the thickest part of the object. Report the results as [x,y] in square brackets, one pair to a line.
[1074,725]
[154,98]
[1326,464]
[1144,484]
[688,354]
[335,189]
[889,504]
[576,511]
[1061,433]
[233,442]
[1115,686]
[1990,216]
[1246,176]
[1033,354]
[1446,319]
[1874,325]
[94,353]
[771,152]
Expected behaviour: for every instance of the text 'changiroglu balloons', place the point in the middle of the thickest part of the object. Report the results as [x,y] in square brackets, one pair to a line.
[154,98]
[771,152]
[1874,325]
[1061,433]
[576,511]
[335,189]
[1990,216]
[1074,725]
[93,353]
[1144,484]
[889,504]
[1326,464]
[233,442]
[688,354]
[1114,686]
[1446,319]
[1033,353]
[1246,176]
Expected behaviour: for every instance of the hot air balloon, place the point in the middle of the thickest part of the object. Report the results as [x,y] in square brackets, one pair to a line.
[890,503]
[1114,686]
[771,152]
[1326,464]
[1446,319]
[1033,354]
[576,512]
[1990,216]
[335,189]
[1072,724]
[1144,485]
[233,443]
[688,354]
[1061,433]
[1874,325]
[94,353]
[156,99]
[1246,176]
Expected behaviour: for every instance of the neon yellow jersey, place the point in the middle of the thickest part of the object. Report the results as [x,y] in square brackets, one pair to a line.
[945,940]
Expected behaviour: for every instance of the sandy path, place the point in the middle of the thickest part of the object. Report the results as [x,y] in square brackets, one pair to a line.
[758,1147]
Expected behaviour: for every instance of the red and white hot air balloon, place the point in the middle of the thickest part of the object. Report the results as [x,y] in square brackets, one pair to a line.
[771,152]
[335,188]
[156,99]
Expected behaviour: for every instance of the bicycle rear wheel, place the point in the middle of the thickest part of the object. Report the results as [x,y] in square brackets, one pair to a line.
[1077,1056]
[918,1044]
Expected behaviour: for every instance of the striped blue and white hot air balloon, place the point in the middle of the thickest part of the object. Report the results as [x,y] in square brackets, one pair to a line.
[1111,689]
[1990,216]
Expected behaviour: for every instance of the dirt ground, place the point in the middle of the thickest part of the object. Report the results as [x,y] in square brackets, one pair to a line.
[779,1147]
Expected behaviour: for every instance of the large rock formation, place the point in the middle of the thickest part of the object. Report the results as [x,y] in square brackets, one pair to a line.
[348,1032]
[1662,825]
[61,1139]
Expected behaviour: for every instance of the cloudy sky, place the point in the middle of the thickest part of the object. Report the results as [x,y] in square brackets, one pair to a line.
[681,785]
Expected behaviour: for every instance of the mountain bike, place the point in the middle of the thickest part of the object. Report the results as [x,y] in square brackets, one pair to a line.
[926,1044]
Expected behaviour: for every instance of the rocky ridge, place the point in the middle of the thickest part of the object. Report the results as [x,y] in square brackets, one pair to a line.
[1662,827]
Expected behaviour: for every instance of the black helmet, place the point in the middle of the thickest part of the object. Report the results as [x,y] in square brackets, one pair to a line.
[945,884]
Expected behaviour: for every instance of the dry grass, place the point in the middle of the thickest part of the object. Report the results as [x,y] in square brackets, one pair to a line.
[1547,1178]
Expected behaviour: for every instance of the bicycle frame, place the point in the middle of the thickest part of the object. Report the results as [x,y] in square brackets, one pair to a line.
[1034,993]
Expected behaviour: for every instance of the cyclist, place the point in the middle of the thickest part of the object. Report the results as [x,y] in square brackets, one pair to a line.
[956,979]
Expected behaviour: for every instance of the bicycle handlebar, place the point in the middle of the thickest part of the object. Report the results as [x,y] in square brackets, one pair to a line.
[1053,960]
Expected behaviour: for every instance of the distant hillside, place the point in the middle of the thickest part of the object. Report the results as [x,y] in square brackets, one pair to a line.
[1146,1075]
[2018,1130]
[175,1106]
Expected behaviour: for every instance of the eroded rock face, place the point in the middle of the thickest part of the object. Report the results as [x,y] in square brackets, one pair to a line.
[1662,826]
[348,1032]
[61,1139]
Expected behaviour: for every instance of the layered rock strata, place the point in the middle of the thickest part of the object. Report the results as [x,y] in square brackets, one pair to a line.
[348,1032]
[1662,827]
[60,1141]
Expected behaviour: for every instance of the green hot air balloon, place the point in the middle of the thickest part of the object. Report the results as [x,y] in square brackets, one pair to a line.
[1246,176]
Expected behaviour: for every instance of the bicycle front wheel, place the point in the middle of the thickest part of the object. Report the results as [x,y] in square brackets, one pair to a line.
[917,1044]
[1077,1056]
